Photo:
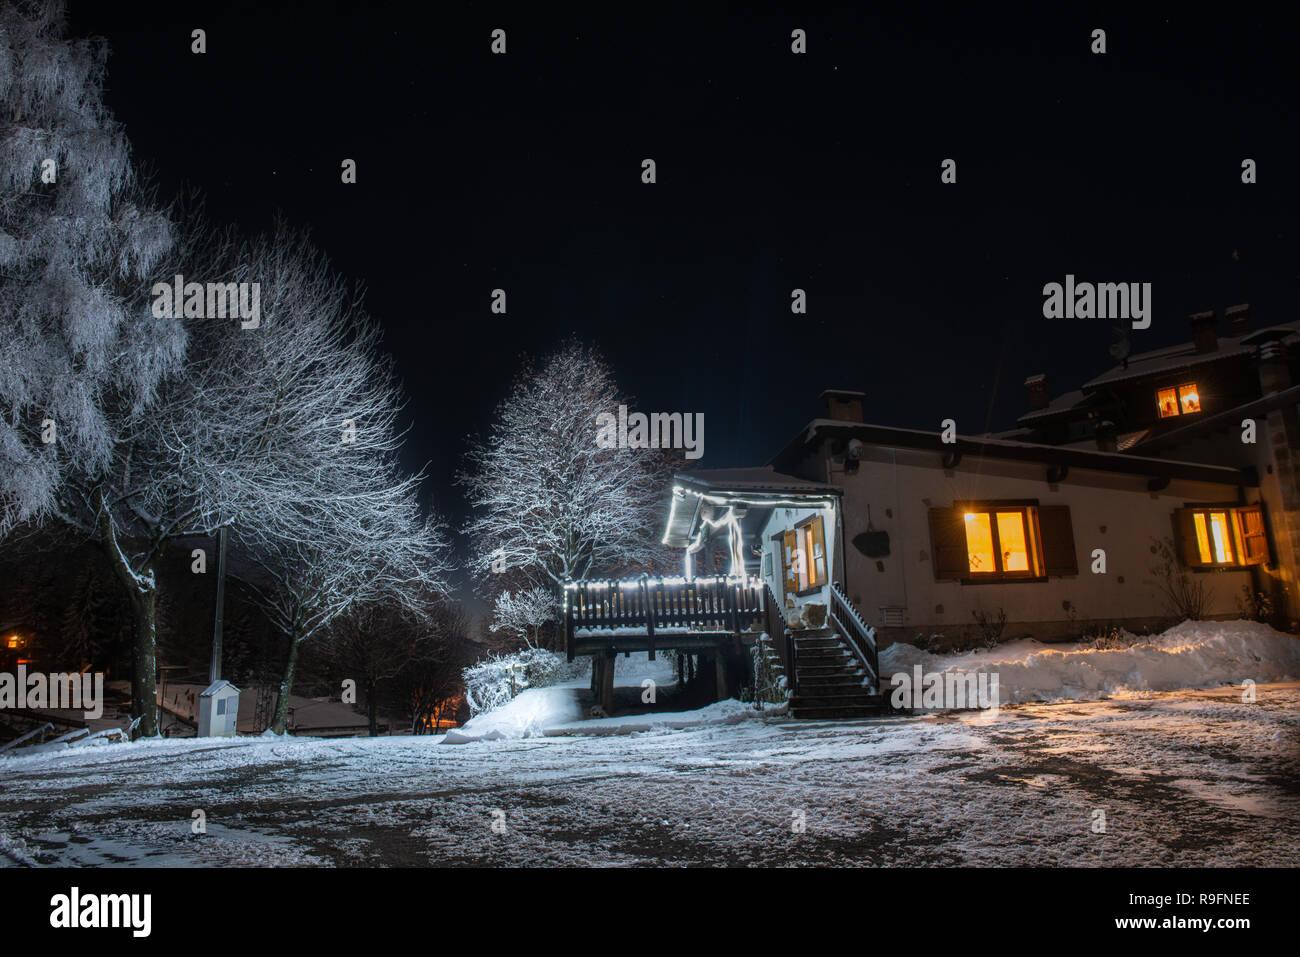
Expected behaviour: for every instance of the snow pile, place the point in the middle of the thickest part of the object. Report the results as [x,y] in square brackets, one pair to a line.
[491,683]
[526,715]
[730,711]
[538,711]
[1193,654]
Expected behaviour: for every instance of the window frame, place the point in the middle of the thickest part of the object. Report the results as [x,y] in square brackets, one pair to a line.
[803,531]
[1243,557]
[1028,509]
[1177,391]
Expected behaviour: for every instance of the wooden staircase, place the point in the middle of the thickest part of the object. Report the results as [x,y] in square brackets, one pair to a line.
[831,681]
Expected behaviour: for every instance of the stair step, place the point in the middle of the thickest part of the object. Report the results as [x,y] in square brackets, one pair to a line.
[841,713]
[831,687]
[803,701]
[829,671]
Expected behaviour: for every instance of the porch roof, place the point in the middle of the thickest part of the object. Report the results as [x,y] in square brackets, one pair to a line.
[759,487]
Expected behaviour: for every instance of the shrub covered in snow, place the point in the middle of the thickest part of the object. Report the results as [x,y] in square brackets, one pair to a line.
[492,682]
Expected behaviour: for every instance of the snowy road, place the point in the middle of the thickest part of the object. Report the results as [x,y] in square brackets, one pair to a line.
[1182,778]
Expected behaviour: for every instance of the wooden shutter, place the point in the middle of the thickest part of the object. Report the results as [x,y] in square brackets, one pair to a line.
[1253,548]
[1056,536]
[1185,525]
[789,556]
[815,577]
[948,544]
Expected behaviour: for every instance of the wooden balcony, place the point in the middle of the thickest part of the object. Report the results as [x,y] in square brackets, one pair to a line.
[633,614]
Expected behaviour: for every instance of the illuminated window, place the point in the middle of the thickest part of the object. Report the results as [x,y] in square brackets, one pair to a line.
[1180,401]
[13,641]
[1213,537]
[1223,537]
[1002,541]
[806,559]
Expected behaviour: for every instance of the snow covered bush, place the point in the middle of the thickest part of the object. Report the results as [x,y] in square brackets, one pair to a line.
[492,682]
[769,682]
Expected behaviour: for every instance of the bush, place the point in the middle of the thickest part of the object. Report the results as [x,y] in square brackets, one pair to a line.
[494,681]
[1112,638]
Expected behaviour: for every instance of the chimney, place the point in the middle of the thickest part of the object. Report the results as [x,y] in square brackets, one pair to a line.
[1107,436]
[1274,369]
[1203,334]
[1238,319]
[1037,386]
[842,405]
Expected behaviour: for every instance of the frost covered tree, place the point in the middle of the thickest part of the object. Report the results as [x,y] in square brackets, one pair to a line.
[522,613]
[294,431]
[550,504]
[82,358]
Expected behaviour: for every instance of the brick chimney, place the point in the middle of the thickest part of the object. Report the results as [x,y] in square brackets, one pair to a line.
[1238,319]
[1203,334]
[842,405]
[1038,397]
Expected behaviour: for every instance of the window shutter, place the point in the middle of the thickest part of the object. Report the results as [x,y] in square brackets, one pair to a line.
[819,561]
[1186,526]
[1253,549]
[948,544]
[1057,539]
[789,556]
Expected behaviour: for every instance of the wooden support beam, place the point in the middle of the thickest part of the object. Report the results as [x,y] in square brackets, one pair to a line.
[607,684]
[720,666]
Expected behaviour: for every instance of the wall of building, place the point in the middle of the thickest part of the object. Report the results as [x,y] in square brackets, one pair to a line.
[785,519]
[1112,512]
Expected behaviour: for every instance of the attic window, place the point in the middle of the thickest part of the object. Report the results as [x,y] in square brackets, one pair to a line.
[1183,400]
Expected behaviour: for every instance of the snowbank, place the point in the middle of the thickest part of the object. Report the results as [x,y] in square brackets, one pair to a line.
[1194,654]
[557,710]
[526,715]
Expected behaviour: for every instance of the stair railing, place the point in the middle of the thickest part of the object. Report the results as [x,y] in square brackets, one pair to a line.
[860,636]
[779,633]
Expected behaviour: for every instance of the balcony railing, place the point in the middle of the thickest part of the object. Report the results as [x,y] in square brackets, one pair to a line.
[650,606]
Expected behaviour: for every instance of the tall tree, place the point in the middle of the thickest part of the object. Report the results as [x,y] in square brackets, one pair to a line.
[295,434]
[550,504]
[82,357]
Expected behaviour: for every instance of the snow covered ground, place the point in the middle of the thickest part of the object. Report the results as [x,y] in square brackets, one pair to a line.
[1190,655]
[1182,778]
[1128,774]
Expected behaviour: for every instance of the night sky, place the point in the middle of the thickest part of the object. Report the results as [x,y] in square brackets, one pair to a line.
[775,171]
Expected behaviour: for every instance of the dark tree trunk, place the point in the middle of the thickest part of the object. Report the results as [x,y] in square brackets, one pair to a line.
[142,590]
[144,665]
[370,707]
[281,721]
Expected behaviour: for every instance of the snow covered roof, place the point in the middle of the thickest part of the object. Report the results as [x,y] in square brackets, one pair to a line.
[763,478]
[217,687]
[1184,356]
[1121,462]
[759,487]
[1062,405]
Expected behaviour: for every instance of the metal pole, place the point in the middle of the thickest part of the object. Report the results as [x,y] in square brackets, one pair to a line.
[214,672]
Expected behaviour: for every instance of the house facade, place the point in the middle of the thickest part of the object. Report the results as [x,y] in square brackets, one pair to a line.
[1171,471]
[1162,488]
